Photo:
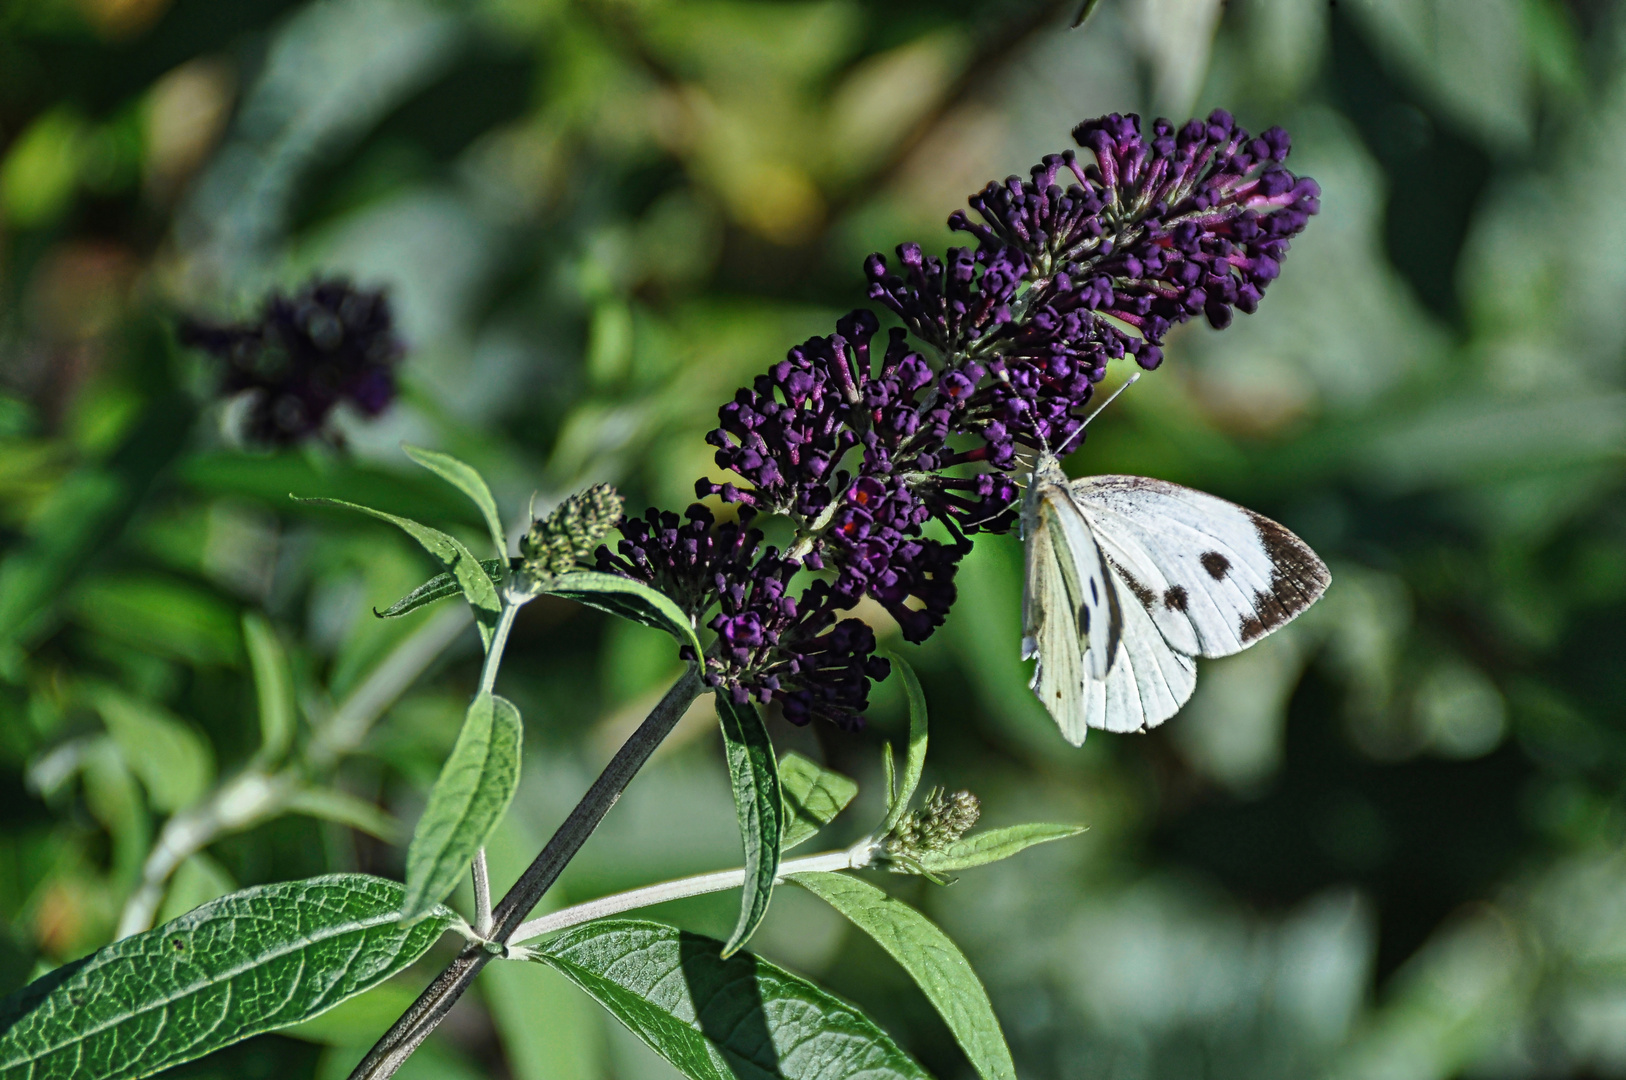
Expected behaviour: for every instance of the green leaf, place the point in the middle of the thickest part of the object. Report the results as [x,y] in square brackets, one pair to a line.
[473,792]
[343,808]
[993,845]
[915,762]
[754,773]
[716,1019]
[450,552]
[439,587]
[159,614]
[813,796]
[931,959]
[469,482]
[252,962]
[273,684]
[1083,13]
[172,761]
[629,599]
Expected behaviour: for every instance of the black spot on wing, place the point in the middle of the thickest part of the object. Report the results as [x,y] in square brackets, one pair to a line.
[1297,580]
[1083,620]
[1174,598]
[1216,564]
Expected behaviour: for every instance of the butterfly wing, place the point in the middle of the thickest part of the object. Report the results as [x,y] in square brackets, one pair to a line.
[1071,618]
[1211,576]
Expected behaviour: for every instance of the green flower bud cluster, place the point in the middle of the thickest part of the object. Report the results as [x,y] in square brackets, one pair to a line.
[941,820]
[556,544]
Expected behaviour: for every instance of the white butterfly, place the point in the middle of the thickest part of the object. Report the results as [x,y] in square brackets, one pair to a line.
[1130,579]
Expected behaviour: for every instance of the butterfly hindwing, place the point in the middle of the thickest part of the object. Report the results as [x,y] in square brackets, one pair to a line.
[1212,576]
[1148,682]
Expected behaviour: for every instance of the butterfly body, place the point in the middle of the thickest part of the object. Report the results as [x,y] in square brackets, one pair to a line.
[1129,579]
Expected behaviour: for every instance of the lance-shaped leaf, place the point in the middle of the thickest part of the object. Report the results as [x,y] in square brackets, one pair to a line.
[992,845]
[930,958]
[915,762]
[273,686]
[629,599]
[451,554]
[470,797]
[716,1019]
[251,962]
[439,587]
[812,795]
[469,482]
[754,773]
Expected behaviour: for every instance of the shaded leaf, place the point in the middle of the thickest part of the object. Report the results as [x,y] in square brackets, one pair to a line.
[473,792]
[273,686]
[450,552]
[753,772]
[931,959]
[629,599]
[915,761]
[439,587]
[252,962]
[469,482]
[717,1019]
[993,845]
[813,796]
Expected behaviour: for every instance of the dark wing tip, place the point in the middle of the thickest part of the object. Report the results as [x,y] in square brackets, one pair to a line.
[1298,577]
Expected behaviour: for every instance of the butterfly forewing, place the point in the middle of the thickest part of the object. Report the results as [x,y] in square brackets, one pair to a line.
[1213,577]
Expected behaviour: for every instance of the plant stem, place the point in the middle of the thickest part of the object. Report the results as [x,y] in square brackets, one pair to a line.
[499,641]
[425,1014]
[482,893]
[852,858]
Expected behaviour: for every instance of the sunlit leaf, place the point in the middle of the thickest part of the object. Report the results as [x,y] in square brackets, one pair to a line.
[813,796]
[717,1019]
[255,961]
[993,845]
[173,761]
[450,552]
[273,686]
[629,599]
[343,808]
[469,482]
[931,959]
[754,773]
[473,792]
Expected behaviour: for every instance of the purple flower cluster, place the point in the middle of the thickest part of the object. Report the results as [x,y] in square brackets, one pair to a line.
[1064,279]
[325,344]
[864,448]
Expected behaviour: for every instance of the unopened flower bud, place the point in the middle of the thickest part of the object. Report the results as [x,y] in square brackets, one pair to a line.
[556,544]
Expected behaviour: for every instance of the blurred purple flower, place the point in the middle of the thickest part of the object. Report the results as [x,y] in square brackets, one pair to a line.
[327,343]
[864,447]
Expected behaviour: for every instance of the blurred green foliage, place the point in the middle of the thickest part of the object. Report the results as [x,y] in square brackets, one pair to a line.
[1387,842]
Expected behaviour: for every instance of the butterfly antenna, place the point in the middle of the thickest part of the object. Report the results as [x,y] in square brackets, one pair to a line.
[1125,385]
